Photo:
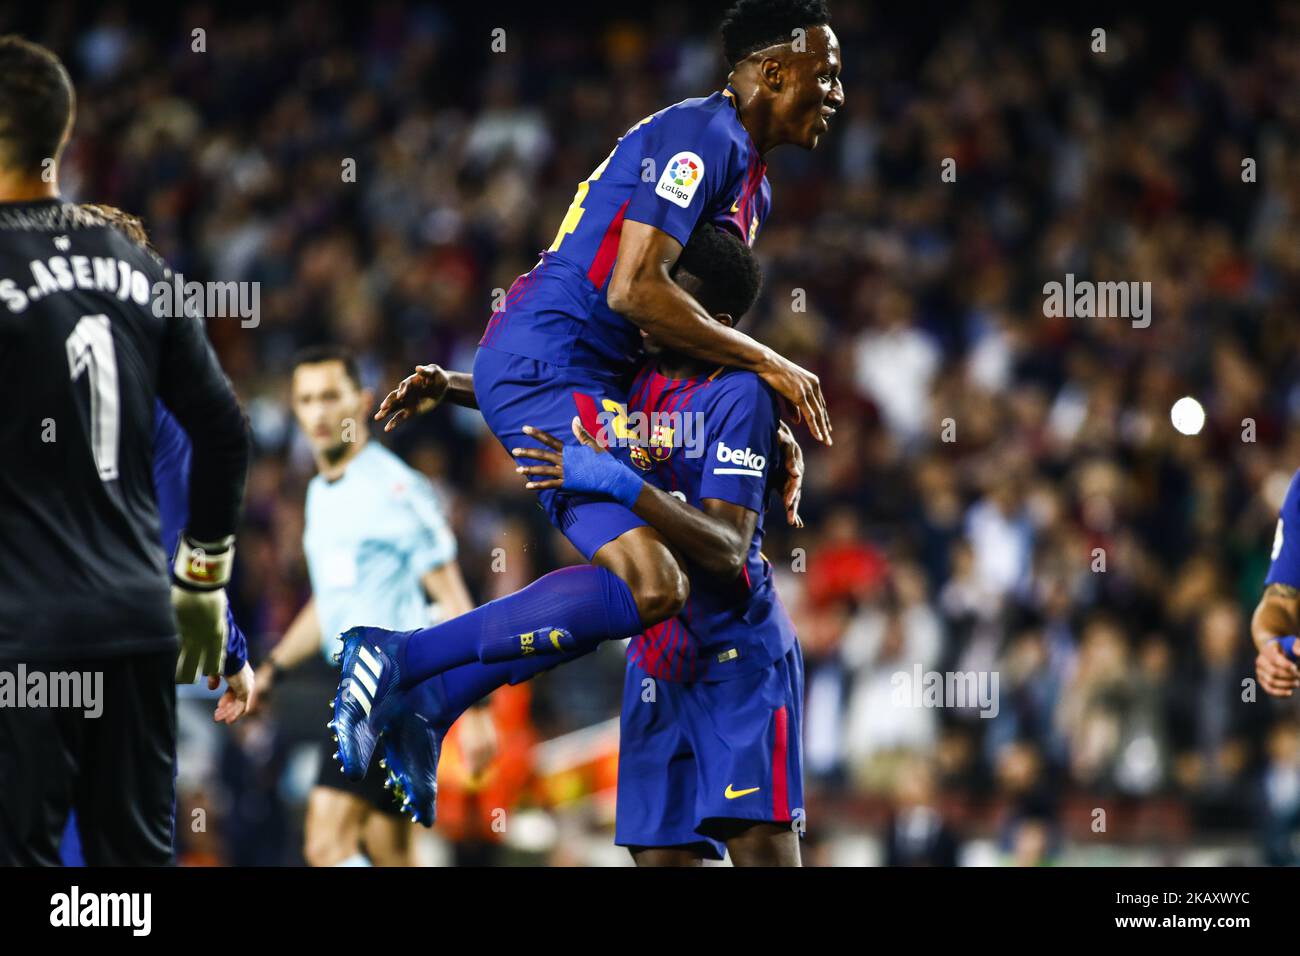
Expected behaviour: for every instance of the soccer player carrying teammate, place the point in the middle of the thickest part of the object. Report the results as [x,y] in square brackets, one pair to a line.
[378,548]
[84,587]
[710,754]
[567,343]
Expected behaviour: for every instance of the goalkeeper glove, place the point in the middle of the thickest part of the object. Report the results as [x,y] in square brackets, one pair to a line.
[200,572]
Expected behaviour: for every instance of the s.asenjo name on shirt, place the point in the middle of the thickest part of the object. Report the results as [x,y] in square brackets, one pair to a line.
[750,464]
[66,273]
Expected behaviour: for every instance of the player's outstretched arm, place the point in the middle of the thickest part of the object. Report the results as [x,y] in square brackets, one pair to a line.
[1273,627]
[423,391]
[642,290]
[302,639]
[445,585]
[240,697]
[715,539]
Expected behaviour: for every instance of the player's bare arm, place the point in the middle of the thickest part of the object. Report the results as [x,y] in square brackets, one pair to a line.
[1277,616]
[300,641]
[240,697]
[716,539]
[446,586]
[643,291]
[424,390]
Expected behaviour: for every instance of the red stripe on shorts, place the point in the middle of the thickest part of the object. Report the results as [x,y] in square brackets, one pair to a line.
[780,790]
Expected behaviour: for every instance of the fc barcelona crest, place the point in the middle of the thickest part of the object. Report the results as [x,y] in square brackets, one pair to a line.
[659,448]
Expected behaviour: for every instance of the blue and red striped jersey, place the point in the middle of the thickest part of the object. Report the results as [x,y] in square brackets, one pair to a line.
[692,162]
[714,436]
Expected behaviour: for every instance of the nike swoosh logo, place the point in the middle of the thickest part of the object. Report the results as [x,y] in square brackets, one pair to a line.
[731,794]
[735,206]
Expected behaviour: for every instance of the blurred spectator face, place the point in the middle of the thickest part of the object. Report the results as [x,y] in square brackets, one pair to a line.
[1284,744]
[1197,579]
[330,408]
[1156,659]
[915,785]
[1103,655]
[822,628]
[1220,632]
[895,310]
[1018,768]
[1030,843]
[909,584]
[954,756]
[1027,655]
[963,560]
[1007,495]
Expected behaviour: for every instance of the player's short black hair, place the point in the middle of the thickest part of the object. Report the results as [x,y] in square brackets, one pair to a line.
[36,104]
[729,274]
[326,352]
[755,24]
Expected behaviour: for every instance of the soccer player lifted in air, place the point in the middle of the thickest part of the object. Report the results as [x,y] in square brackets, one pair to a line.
[567,342]
[709,756]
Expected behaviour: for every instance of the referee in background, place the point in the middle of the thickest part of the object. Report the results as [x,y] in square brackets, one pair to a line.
[379,552]
[84,587]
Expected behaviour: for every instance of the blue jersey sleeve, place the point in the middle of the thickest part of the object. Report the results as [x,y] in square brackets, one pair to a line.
[171,475]
[1285,568]
[688,160]
[236,646]
[171,482]
[742,448]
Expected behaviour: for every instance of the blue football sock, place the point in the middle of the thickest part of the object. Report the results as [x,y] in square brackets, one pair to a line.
[590,603]
[464,686]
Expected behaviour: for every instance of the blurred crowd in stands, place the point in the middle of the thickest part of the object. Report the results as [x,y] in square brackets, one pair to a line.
[1005,496]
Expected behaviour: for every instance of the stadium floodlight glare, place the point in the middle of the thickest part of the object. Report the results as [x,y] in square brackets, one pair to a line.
[1188,416]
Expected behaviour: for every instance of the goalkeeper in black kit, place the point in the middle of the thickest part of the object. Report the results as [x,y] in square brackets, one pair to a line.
[86,595]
